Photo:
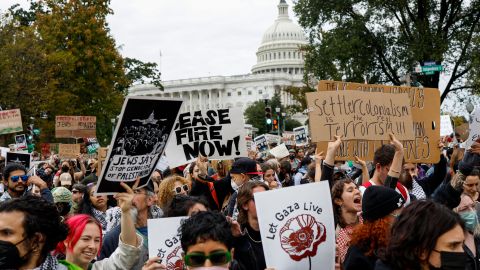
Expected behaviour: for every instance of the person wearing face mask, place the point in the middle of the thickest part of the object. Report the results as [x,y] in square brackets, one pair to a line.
[221,194]
[31,228]
[426,236]
[467,212]
[294,161]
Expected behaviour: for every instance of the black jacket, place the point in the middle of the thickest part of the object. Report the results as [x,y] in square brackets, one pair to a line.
[223,189]
[430,183]
[356,260]
[249,251]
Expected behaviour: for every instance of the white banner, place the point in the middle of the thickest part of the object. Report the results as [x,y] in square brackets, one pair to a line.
[446,127]
[216,134]
[280,151]
[474,134]
[297,228]
[164,241]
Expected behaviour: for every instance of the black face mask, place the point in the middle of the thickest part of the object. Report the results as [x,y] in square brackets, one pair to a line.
[452,261]
[292,157]
[9,255]
[65,168]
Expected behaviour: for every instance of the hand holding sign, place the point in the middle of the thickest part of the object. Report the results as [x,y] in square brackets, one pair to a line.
[154,264]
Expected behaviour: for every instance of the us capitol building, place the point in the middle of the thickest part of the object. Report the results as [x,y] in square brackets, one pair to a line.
[279,64]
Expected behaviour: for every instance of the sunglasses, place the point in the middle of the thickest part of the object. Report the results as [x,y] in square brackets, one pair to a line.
[17,177]
[178,190]
[197,259]
[75,191]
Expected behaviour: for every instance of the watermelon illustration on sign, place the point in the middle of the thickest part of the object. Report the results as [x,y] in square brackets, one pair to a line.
[301,236]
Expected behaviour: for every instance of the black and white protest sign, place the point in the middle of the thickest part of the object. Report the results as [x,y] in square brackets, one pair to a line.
[21,141]
[139,140]
[261,143]
[300,135]
[216,134]
[20,158]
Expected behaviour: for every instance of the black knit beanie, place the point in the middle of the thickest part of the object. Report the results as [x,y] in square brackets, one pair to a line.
[379,201]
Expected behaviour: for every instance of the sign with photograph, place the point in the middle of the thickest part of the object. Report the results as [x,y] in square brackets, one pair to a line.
[297,228]
[139,140]
[21,141]
[300,135]
[20,158]
[261,143]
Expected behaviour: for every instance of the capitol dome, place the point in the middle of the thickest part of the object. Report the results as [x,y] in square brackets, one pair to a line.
[279,51]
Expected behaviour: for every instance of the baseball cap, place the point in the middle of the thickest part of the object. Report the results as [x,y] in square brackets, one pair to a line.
[65,179]
[245,165]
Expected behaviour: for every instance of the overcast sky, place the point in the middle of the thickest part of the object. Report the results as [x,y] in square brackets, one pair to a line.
[195,37]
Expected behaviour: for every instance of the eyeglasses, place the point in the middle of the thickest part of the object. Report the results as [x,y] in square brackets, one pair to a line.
[15,178]
[75,191]
[178,190]
[196,259]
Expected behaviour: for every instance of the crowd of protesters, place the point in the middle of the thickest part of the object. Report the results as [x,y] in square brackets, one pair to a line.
[388,213]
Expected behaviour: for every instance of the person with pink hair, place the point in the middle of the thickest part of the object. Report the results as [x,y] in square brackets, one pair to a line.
[84,240]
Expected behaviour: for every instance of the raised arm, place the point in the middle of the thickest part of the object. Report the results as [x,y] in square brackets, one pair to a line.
[396,167]
[329,163]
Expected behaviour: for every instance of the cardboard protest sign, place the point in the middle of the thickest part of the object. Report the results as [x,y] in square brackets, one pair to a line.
[20,158]
[75,126]
[359,115]
[300,135]
[68,150]
[474,134]
[139,140]
[10,121]
[425,105]
[280,151]
[446,127]
[102,156]
[164,241]
[261,143]
[296,225]
[216,134]
[21,141]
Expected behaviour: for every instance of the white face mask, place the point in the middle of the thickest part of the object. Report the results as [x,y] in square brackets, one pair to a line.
[236,186]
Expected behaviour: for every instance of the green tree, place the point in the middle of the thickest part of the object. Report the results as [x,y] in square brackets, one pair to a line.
[255,113]
[140,72]
[290,124]
[381,40]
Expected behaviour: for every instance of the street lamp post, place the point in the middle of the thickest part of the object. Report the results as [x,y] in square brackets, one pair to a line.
[283,120]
